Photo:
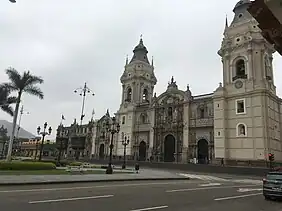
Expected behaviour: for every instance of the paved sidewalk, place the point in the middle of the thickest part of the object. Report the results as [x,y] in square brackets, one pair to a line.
[145,174]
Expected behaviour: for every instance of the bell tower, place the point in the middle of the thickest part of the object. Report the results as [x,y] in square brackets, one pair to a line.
[241,102]
[246,55]
[138,81]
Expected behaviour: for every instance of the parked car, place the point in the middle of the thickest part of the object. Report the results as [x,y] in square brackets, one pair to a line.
[272,185]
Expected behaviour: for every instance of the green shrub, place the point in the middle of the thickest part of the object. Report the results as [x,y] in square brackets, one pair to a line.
[75,164]
[27,166]
[62,162]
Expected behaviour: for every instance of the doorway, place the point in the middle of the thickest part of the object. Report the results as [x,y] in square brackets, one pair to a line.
[203,151]
[102,151]
[142,151]
[169,148]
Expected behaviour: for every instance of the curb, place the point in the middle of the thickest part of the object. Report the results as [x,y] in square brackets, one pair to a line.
[91,181]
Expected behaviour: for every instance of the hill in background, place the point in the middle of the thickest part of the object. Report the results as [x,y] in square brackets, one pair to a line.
[22,134]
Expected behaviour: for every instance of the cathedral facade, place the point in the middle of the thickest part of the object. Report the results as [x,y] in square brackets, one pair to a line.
[239,122]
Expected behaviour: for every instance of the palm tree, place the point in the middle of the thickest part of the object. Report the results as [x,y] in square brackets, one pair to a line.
[6,101]
[21,84]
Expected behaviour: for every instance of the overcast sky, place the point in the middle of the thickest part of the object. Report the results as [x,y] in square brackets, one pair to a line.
[69,42]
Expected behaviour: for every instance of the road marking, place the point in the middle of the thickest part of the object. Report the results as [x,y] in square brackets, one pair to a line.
[207,188]
[237,197]
[242,190]
[250,181]
[69,199]
[151,208]
[91,187]
[209,184]
[203,177]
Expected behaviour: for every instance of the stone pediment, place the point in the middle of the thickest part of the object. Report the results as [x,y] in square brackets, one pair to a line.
[170,98]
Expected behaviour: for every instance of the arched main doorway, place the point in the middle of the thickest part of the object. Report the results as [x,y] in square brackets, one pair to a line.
[102,151]
[169,148]
[203,151]
[142,151]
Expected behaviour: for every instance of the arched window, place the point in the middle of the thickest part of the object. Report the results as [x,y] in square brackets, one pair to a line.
[240,70]
[143,118]
[129,94]
[145,95]
[201,112]
[241,129]
[123,120]
[267,67]
[170,112]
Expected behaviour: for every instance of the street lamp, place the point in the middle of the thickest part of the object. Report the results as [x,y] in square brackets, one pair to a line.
[112,128]
[124,142]
[61,143]
[82,92]
[22,111]
[43,133]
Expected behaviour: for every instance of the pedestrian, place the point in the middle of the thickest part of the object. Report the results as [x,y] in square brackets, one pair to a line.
[137,168]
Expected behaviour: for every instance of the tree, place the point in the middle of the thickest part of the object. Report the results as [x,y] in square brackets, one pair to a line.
[6,101]
[25,83]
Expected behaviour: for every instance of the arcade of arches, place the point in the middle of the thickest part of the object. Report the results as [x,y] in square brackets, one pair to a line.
[202,151]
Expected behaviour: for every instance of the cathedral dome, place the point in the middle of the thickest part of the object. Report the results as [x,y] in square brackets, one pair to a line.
[140,53]
[242,3]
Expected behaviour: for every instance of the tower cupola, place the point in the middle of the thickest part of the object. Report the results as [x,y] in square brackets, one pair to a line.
[140,53]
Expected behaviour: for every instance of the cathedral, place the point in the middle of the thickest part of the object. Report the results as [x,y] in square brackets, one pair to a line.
[237,123]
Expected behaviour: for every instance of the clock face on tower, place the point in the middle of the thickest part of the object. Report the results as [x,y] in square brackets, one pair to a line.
[238,84]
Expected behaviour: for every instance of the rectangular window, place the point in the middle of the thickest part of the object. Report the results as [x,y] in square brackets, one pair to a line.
[240,106]
[123,120]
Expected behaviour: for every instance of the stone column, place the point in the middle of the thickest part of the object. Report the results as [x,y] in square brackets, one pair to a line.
[184,155]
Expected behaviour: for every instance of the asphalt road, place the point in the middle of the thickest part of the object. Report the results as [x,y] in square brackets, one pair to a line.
[137,196]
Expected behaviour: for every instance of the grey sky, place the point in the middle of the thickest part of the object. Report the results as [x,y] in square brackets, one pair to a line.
[68,42]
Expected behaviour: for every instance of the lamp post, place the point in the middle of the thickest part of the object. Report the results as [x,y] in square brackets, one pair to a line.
[36,148]
[125,142]
[43,133]
[82,92]
[112,128]
[22,111]
[61,144]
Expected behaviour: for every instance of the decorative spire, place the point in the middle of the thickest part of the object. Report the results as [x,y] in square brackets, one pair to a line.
[226,25]
[93,113]
[188,92]
[107,113]
[126,61]
[172,84]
